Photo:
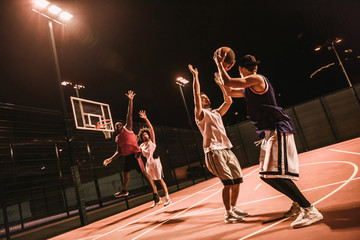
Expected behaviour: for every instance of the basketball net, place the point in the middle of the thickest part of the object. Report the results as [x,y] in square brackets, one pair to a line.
[104,124]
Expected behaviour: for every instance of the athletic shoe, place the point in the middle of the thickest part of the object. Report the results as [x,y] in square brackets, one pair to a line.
[123,193]
[239,212]
[307,217]
[294,210]
[157,200]
[232,217]
[167,202]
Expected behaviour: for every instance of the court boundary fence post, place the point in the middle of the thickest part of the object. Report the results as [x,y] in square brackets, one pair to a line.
[168,157]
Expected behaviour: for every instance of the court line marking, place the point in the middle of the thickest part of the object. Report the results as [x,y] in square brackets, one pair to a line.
[257,186]
[320,200]
[116,229]
[168,219]
[335,150]
[265,199]
[160,209]
[87,237]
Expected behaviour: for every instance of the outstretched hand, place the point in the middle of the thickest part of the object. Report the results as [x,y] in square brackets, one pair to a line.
[218,79]
[130,94]
[194,72]
[107,161]
[142,114]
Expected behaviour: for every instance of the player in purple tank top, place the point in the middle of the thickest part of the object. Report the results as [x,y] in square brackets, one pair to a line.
[279,164]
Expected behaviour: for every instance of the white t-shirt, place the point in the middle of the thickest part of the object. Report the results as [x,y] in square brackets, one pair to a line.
[213,131]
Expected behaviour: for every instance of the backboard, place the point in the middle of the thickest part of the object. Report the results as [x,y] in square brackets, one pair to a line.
[91,115]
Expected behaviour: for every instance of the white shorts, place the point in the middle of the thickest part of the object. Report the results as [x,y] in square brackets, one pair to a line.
[278,156]
[154,169]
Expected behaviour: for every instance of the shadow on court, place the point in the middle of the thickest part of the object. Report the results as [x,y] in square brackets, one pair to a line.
[343,216]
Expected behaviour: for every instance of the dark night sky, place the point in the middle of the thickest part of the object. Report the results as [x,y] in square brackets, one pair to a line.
[112,46]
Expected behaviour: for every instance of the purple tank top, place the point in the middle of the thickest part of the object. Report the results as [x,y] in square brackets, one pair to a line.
[264,112]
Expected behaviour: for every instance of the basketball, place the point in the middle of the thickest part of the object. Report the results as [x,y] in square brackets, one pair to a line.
[224,50]
[230,56]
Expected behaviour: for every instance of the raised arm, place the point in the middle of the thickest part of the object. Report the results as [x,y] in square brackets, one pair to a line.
[234,82]
[142,114]
[196,92]
[232,92]
[227,99]
[129,115]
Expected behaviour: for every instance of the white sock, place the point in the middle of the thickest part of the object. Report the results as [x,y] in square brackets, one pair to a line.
[232,208]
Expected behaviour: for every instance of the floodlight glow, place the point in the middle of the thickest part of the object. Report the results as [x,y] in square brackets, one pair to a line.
[66,16]
[338,40]
[65,83]
[181,81]
[54,9]
[318,48]
[79,86]
[41,3]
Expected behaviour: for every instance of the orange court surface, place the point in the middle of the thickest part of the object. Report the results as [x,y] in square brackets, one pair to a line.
[329,178]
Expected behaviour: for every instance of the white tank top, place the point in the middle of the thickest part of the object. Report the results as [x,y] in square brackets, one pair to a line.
[213,131]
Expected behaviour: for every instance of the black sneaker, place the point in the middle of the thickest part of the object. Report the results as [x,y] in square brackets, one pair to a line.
[123,193]
[157,200]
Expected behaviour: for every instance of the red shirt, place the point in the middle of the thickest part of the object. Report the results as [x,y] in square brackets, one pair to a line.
[127,142]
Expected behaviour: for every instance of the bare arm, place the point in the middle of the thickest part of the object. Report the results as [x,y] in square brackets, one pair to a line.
[113,157]
[196,92]
[234,82]
[142,114]
[227,99]
[232,92]
[129,117]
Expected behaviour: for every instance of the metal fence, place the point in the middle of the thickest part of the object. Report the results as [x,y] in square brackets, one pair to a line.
[43,181]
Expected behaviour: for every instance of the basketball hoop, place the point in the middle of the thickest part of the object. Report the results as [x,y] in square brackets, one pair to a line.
[105,126]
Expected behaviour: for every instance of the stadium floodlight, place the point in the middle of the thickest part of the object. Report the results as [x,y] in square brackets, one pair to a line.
[51,12]
[65,16]
[54,9]
[65,83]
[41,3]
[330,44]
[181,81]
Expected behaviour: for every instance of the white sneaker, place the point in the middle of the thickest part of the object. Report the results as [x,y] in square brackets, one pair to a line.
[232,217]
[307,217]
[239,212]
[167,202]
[294,210]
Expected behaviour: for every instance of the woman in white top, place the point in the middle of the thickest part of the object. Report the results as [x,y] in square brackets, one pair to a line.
[153,163]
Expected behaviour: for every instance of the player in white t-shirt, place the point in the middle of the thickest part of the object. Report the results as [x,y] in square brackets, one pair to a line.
[153,163]
[219,159]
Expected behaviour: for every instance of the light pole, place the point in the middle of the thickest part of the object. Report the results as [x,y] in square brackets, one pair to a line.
[55,14]
[182,83]
[331,45]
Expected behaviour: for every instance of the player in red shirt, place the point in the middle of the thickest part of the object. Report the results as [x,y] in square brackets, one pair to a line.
[127,146]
